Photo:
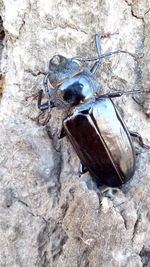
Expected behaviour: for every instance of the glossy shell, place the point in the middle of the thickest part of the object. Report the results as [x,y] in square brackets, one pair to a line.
[102,141]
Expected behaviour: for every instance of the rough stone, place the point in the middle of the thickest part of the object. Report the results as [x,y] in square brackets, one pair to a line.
[49,216]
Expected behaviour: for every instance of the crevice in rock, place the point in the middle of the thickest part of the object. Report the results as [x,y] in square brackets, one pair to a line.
[135,16]
[124,219]
[2,37]
[145,257]
[24,17]
[83,260]
[23,203]
[133,13]
[56,172]
[135,229]
[139,79]
[22,25]
[51,240]
[28,208]
[147,12]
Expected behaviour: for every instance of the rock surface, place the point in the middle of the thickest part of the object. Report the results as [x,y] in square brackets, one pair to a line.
[49,216]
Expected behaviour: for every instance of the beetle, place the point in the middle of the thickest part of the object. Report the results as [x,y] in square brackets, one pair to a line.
[93,124]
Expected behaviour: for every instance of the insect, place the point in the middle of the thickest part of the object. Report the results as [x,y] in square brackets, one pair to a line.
[93,125]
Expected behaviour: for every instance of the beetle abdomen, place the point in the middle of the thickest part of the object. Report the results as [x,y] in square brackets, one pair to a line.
[102,142]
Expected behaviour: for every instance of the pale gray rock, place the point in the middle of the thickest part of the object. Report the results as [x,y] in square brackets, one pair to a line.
[49,216]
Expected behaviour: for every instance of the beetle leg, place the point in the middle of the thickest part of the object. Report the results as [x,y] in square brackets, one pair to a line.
[49,104]
[99,51]
[140,139]
[41,106]
[47,90]
[45,82]
[121,93]
[98,38]
[111,95]
[46,104]
[42,119]
[82,168]
[40,94]
[33,96]
[109,192]
[62,133]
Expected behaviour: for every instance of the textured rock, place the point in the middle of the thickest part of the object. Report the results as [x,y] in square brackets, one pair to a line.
[49,216]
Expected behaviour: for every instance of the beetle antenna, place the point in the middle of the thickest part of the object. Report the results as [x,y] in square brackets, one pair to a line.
[104,55]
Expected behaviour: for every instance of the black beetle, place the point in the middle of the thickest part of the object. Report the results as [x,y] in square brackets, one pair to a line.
[93,124]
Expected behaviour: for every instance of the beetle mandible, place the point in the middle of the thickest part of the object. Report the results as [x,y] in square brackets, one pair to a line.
[93,124]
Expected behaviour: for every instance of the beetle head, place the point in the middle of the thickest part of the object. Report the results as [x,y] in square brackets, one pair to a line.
[61,69]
